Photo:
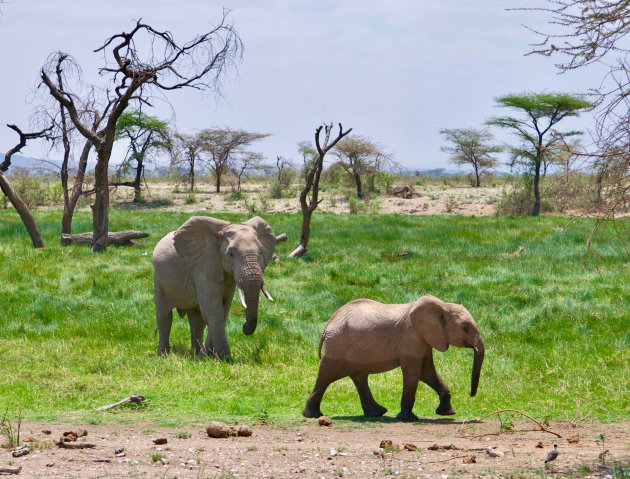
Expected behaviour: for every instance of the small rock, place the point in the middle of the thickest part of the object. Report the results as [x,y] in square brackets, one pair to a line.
[50,464]
[324,421]
[300,470]
[470,460]
[492,452]
[119,450]
[387,445]
[434,447]
[333,453]
[244,431]
[46,431]
[69,436]
[218,430]
[81,433]
[410,447]
[540,445]
[160,440]
[20,451]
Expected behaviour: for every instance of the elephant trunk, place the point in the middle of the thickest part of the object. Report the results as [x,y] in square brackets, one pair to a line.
[251,294]
[477,362]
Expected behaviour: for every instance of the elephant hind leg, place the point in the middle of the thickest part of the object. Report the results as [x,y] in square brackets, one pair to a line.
[329,372]
[370,407]
[164,317]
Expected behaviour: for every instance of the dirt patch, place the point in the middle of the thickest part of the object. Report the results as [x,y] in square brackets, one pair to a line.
[427,200]
[429,448]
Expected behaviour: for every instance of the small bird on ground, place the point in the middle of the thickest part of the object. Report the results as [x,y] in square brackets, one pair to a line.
[552,455]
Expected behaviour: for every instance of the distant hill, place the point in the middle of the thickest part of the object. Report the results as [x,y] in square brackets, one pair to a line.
[25,164]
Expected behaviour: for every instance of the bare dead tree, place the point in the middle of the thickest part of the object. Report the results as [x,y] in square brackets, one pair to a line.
[134,74]
[14,197]
[309,205]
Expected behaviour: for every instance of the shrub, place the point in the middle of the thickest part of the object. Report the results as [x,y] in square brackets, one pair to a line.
[276,189]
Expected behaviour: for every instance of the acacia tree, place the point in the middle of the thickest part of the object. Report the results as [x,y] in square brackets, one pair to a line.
[186,151]
[309,205]
[309,154]
[14,197]
[246,160]
[134,75]
[471,147]
[223,145]
[589,33]
[146,134]
[539,112]
[360,156]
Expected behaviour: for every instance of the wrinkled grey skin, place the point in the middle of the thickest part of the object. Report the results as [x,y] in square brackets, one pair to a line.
[366,337]
[197,268]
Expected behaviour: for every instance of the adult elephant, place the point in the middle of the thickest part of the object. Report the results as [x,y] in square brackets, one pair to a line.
[196,270]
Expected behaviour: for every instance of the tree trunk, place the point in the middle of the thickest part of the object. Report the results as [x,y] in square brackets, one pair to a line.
[357,180]
[137,182]
[71,200]
[117,238]
[23,211]
[477,176]
[100,208]
[218,175]
[536,209]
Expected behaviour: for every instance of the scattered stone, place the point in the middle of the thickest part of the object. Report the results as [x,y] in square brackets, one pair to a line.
[333,453]
[20,451]
[50,464]
[324,421]
[81,433]
[160,440]
[470,460]
[46,431]
[218,430]
[492,452]
[434,447]
[119,450]
[540,445]
[244,431]
[410,447]
[300,470]
[101,460]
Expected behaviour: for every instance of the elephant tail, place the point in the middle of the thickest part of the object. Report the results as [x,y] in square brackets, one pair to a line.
[321,343]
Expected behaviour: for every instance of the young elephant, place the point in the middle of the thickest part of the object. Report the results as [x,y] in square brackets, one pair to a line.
[366,337]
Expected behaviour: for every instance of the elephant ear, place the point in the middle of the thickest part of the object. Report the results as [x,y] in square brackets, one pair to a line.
[427,316]
[265,235]
[197,241]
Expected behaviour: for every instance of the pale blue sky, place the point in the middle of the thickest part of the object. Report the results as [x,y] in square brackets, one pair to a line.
[396,71]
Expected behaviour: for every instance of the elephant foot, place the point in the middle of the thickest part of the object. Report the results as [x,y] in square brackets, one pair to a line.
[164,351]
[445,410]
[376,411]
[406,416]
[311,412]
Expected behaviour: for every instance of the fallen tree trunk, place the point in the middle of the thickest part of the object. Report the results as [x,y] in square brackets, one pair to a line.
[118,238]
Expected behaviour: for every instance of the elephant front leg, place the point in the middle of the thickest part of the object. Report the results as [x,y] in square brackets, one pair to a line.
[370,407]
[432,378]
[408,398]
[197,326]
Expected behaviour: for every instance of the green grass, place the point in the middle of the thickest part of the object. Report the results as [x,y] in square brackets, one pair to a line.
[77,330]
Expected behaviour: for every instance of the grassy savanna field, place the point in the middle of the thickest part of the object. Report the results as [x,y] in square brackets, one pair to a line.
[78,330]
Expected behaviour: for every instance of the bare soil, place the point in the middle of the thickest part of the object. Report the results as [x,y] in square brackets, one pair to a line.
[428,199]
[349,448]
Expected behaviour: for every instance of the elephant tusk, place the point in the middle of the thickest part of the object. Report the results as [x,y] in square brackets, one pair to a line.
[241,296]
[267,295]
[475,348]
